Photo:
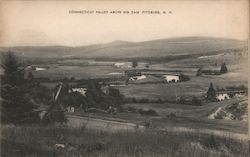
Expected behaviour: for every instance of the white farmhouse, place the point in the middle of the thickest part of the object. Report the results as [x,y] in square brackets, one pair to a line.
[137,77]
[222,96]
[82,91]
[172,78]
[119,65]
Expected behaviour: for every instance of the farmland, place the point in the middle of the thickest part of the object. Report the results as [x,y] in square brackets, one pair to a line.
[153,89]
[173,115]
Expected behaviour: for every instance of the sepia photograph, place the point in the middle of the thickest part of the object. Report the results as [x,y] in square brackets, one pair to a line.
[124,78]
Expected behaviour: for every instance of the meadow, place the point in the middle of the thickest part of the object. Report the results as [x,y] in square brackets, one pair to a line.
[40,141]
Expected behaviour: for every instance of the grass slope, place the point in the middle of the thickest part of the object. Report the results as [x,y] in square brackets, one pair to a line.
[38,141]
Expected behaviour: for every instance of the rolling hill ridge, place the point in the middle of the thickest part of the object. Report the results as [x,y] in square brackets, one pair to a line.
[123,49]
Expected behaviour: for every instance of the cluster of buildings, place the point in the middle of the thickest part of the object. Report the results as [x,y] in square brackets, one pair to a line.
[137,75]
[213,95]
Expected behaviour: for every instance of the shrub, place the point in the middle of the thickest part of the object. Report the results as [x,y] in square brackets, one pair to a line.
[182,100]
[196,101]
[134,100]
[184,77]
[149,112]
[132,109]
[159,101]
[211,142]
[144,100]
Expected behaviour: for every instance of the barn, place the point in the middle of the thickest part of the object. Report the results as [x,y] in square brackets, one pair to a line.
[172,78]
[222,96]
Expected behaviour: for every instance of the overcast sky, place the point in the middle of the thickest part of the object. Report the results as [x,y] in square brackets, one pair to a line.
[49,23]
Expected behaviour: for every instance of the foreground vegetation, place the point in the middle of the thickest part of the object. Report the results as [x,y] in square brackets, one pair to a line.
[40,141]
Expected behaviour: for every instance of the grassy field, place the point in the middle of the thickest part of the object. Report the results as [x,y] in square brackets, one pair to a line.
[153,87]
[196,86]
[39,141]
[185,110]
[194,117]
[78,72]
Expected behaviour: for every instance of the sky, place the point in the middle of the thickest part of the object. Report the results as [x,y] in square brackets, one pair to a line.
[41,23]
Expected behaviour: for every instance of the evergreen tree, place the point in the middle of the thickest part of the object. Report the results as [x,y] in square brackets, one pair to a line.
[211,93]
[56,110]
[223,68]
[134,63]
[96,97]
[16,107]
[93,94]
[199,72]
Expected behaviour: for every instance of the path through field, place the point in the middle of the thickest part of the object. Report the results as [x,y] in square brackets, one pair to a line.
[116,126]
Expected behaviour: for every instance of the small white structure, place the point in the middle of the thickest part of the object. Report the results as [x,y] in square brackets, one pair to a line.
[70,109]
[80,90]
[42,114]
[239,95]
[222,96]
[58,146]
[137,78]
[172,78]
[123,65]
[40,69]
[115,73]
[119,65]
[105,89]
[29,67]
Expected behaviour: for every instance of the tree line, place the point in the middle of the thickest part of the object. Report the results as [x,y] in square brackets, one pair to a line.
[22,95]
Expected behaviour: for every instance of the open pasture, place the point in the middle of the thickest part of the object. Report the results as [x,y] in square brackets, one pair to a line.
[195,117]
[79,72]
[196,86]
[152,87]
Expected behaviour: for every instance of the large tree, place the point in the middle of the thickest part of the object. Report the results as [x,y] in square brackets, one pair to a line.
[16,107]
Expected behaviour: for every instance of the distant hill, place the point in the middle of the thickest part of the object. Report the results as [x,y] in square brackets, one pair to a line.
[123,49]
